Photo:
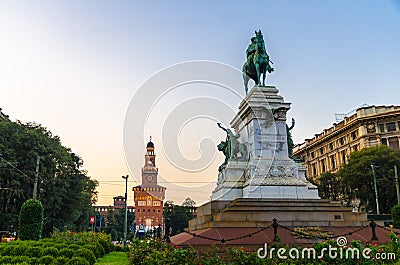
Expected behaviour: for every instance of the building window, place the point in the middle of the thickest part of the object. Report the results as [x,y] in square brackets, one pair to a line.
[391,126]
[323,165]
[333,162]
[354,135]
[344,157]
[382,128]
[355,148]
[314,167]
[384,141]
[331,146]
[394,143]
[313,155]
[321,150]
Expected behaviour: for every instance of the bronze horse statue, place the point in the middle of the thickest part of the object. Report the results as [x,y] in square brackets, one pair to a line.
[257,62]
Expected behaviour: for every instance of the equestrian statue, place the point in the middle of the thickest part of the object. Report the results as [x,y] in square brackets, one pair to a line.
[257,62]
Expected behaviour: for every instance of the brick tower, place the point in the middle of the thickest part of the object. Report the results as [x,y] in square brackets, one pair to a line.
[149,196]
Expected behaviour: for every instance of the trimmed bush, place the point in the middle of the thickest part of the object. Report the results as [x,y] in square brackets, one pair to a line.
[396,216]
[46,260]
[34,261]
[5,259]
[20,259]
[61,245]
[7,250]
[86,254]
[30,220]
[97,249]
[74,246]
[66,252]
[107,245]
[33,251]
[60,261]
[50,251]
[78,261]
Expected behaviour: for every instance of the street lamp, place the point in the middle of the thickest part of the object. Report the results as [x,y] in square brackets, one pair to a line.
[376,189]
[126,208]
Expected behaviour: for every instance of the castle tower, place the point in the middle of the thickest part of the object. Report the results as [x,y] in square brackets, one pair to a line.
[149,197]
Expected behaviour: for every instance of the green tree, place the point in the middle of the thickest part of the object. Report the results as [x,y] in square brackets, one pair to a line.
[329,186]
[66,189]
[116,220]
[356,177]
[177,217]
[31,220]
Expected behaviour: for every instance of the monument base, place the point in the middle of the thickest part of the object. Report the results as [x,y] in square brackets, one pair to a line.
[259,212]
[281,192]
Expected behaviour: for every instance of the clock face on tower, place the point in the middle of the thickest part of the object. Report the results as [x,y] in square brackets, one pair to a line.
[149,178]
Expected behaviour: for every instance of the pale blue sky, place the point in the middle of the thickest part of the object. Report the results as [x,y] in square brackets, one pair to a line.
[74,66]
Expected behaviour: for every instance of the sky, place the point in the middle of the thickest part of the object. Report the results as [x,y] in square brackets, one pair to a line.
[93,73]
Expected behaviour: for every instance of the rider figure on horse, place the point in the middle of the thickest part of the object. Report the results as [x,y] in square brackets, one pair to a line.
[257,62]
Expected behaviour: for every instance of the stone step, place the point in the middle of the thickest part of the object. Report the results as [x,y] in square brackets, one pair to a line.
[287,216]
[283,223]
[277,208]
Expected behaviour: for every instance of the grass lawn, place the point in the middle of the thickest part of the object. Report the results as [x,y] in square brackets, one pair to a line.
[113,258]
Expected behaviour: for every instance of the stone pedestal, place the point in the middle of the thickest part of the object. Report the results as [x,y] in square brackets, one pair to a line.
[269,172]
[250,194]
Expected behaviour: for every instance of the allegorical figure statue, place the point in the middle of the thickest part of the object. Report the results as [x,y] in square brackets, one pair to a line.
[290,142]
[231,147]
[257,62]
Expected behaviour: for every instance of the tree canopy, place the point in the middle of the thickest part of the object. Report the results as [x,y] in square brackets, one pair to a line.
[64,188]
[354,181]
[177,217]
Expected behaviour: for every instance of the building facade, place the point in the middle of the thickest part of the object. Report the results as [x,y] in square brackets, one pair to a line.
[149,196]
[368,126]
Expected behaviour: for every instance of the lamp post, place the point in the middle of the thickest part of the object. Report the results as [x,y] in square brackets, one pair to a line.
[126,208]
[376,189]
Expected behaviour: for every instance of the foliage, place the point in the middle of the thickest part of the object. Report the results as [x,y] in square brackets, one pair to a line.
[396,216]
[50,251]
[177,217]
[31,220]
[78,248]
[60,261]
[86,254]
[354,181]
[155,252]
[63,185]
[85,237]
[116,221]
[33,251]
[78,261]
[329,186]
[188,203]
[66,252]
[46,260]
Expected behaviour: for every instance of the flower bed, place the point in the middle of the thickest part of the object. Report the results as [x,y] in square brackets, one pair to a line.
[156,252]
